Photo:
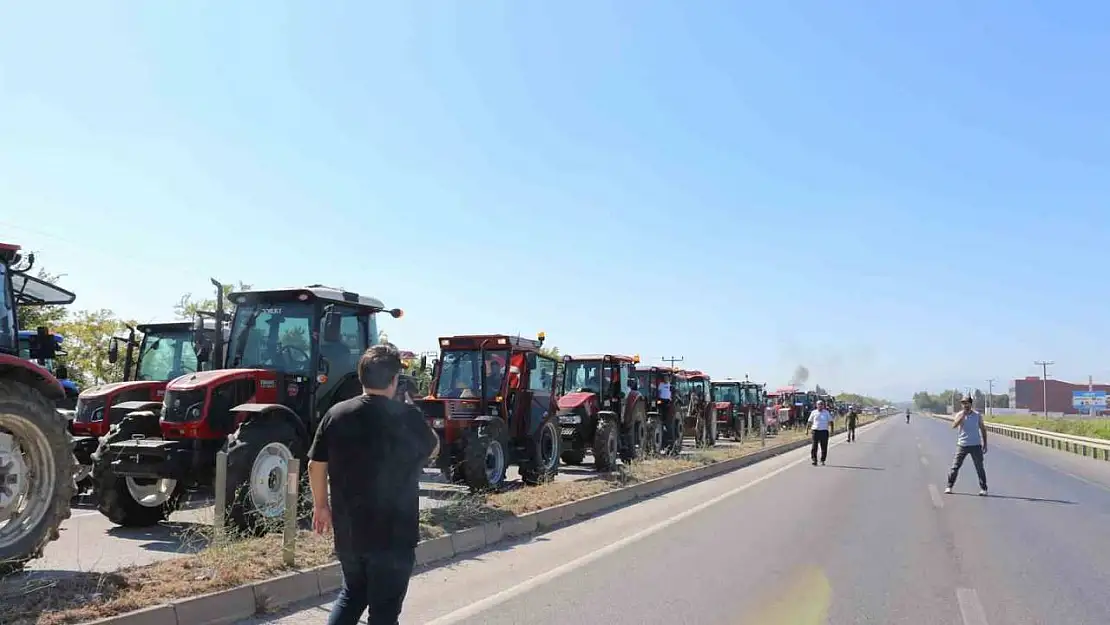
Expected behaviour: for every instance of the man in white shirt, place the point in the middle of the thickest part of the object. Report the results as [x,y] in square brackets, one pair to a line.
[665,391]
[820,420]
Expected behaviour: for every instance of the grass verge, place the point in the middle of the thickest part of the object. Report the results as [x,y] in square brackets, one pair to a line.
[1091,428]
[229,563]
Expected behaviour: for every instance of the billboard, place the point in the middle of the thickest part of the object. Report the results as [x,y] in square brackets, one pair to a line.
[1086,400]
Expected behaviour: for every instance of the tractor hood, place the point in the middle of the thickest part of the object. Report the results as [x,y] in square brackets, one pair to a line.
[722,405]
[438,408]
[116,387]
[202,379]
[570,401]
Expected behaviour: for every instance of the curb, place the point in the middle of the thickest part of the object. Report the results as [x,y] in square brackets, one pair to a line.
[226,607]
[1088,449]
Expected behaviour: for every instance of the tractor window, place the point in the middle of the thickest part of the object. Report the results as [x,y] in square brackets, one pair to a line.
[725,392]
[542,377]
[273,336]
[7,312]
[625,377]
[166,355]
[582,374]
[342,356]
[460,373]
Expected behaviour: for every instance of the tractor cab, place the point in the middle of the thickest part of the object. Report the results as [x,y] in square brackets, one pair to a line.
[493,404]
[36,461]
[291,355]
[731,401]
[600,410]
[668,413]
[701,413]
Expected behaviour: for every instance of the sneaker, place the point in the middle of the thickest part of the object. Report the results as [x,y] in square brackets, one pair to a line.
[814,463]
[822,463]
[948,490]
[982,492]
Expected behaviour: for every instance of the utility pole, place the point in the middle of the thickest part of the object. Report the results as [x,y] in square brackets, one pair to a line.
[990,396]
[672,360]
[1043,364]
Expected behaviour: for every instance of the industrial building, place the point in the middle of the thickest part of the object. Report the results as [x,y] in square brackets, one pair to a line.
[1028,393]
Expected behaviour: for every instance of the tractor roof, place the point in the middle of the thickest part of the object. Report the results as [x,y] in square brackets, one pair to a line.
[27,334]
[171,326]
[311,292]
[490,342]
[696,374]
[659,369]
[620,357]
[8,251]
[32,291]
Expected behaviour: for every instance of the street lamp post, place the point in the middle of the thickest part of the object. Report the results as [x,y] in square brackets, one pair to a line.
[990,397]
[1043,364]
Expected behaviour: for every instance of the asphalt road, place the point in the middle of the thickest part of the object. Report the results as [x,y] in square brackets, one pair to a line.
[869,538]
[90,543]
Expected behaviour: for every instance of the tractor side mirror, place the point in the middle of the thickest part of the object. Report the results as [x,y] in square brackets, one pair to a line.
[423,364]
[61,372]
[113,351]
[332,320]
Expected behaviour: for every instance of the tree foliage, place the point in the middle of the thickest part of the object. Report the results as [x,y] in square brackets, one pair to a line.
[187,306]
[87,334]
[860,400]
[941,402]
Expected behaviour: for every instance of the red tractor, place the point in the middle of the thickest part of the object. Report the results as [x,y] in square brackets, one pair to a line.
[493,404]
[600,411]
[166,351]
[667,437]
[739,405]
[701,414]
[36,455]
[292,354]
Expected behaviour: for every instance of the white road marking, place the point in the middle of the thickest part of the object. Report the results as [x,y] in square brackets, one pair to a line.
[924,461]
[934,494]
[482,605]
[970,608]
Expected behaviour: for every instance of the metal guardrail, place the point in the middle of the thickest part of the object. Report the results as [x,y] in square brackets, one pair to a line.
[1096,448]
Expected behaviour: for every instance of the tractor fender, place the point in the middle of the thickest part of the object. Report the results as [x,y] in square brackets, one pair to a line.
[33,375]
[256,412]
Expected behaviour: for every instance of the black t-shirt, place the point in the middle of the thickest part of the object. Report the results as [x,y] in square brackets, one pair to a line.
[852,415]
[376,449]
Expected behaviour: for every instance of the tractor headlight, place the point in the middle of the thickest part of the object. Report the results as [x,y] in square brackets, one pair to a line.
[439,424]
[570,419]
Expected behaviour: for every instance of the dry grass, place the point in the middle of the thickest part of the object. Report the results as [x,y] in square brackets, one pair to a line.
[233,562]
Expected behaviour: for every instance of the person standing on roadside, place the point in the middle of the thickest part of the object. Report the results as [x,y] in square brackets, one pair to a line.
[820,420]
[372,450]
[852,416]
[971,440]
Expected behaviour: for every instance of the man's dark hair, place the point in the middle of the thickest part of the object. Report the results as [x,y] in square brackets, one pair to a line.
[378,366]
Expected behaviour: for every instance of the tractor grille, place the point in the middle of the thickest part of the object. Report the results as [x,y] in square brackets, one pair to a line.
[183,406]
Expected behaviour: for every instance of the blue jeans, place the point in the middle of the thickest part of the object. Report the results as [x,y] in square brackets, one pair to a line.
[378,581]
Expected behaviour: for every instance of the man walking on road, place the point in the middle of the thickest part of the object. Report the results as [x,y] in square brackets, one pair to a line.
[820,420]
[852,416]
[372,450]
[971,440]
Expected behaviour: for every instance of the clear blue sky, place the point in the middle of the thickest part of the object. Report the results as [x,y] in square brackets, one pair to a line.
[897,195]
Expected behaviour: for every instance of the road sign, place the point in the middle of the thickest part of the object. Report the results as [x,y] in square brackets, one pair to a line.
[1085,400]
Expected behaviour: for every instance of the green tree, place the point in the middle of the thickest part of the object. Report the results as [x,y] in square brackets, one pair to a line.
[860,400]
[551,352]
[87,334]
[187,306]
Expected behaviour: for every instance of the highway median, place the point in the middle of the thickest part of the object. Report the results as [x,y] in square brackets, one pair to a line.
[237,577]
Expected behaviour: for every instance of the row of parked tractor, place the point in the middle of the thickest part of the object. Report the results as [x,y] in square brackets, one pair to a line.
[254,383]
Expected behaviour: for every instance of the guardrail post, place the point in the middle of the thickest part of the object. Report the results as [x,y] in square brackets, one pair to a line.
[220,521]
[289,534]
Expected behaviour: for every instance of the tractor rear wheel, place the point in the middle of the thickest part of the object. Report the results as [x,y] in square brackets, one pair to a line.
[606,445]
[36,469]
[486,455]
[541,465]
[258,456]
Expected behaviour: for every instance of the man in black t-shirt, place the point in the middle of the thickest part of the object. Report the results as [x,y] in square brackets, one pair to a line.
[853,415]
[372,450]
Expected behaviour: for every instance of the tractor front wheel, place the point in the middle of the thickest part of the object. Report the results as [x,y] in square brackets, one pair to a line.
[258,456]
[36,471]
[606,445]
[541,465]
[486,456]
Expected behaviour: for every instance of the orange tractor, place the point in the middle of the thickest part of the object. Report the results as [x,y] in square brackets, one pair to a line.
[739,403]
